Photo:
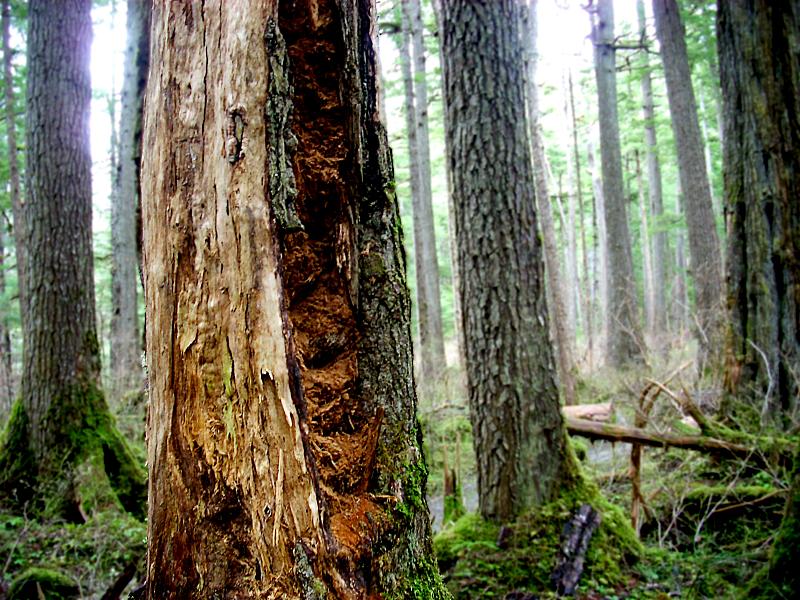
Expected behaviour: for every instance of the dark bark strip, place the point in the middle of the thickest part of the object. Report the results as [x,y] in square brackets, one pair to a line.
[759,47]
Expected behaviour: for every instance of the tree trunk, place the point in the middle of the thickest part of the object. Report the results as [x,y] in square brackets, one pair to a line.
[704,248]
[520,444]
[458,321]
[587,282]
[625,343]
[647,258]
[6,383]
[284,451]
[562,334]
[429,265]
[600,282]
[429,310]
[126,368]
[759,46]
[62,426]
[13,162]
[660,249]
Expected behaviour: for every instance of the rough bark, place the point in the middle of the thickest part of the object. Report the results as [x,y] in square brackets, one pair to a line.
[704,247]
[625,343]
[660,250]
[284,452]
[759,47]
[556,295]
[61,428]
[514,406]
[126,368]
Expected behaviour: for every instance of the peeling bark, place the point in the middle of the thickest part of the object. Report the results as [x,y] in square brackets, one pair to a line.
[284,452]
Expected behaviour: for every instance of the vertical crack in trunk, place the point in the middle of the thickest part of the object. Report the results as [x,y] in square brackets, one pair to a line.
[318,239]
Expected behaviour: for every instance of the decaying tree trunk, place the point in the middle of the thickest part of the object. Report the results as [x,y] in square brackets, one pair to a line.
[126,368]
[514,405]
[759,46]
[284,452]
[704,247]
[61,432]
[625,342]
[557,292]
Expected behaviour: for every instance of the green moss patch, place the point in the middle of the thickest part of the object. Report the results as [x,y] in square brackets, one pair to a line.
[36,583]
[474,566]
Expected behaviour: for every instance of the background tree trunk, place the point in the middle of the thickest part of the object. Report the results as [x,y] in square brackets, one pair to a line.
[704,248]
[126,368]
[562,334]
[62,424]
[519,443]
[759,47]
[625,343]
[284,452]
[660,250]
[13,161]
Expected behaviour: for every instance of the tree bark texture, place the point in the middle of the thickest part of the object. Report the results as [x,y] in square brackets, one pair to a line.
[519,442]
[126,368]
[759,47]
[660,251]
[61,348]
[284,453]
[61,429]
[625,343]
[562,334]
[704,247]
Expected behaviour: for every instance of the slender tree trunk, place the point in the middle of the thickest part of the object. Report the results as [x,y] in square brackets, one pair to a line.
[660,248]
[126,369]
[62,426]
[555,284]
[6,374]
[587,282]
[425,206]
[601,245]
[680,293]
[625,343]
[759,46]
[572,281]
[13,161]
[429,311]
[647,258]
[458,320]
[520,443]
[704,247]
[283,444]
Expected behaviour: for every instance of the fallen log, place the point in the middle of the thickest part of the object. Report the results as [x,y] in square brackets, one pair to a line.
[593,412]
[635,435]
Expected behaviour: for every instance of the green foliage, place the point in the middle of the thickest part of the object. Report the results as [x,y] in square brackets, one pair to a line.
[91,554]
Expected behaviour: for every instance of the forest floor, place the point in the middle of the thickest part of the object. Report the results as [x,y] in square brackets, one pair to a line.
[706,528]
[707,522]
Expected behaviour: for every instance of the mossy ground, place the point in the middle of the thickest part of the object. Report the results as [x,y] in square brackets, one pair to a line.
[91,555]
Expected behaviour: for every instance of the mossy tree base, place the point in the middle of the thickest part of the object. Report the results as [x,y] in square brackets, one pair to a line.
[86,466]
[474,566]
